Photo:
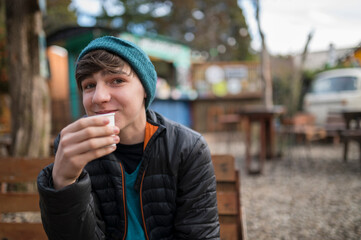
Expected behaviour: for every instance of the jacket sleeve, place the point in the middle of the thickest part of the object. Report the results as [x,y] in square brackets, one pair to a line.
[197,212]
[71,212]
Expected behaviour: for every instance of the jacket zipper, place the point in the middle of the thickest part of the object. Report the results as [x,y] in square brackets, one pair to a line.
[124,203]
[141,206]
[150,130]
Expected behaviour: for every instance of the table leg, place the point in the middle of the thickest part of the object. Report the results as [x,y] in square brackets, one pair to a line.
[345,150]
[270,138]
[359,145]
[263,143]
[247,126]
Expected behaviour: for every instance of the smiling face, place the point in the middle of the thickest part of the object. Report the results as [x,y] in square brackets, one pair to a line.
[120,91]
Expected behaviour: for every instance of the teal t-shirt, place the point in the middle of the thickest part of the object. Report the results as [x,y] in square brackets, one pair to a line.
[135,229]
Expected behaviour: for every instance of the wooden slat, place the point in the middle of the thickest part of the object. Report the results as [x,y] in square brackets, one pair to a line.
[19,202]
[20,170]
[224,168]
[227,203]
[14,170]
[229,231]
[22,231]
[226,187]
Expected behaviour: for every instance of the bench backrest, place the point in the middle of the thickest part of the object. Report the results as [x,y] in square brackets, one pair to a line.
[20,171]
[231,217]
[26,170]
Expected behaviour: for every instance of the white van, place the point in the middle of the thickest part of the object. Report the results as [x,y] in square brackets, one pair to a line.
[333,90]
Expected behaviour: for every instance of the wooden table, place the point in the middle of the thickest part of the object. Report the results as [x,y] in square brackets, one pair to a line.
[265,117]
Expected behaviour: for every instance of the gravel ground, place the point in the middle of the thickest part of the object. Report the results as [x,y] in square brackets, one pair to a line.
[308,193]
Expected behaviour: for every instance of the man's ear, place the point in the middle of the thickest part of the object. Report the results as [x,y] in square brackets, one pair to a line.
[145,95]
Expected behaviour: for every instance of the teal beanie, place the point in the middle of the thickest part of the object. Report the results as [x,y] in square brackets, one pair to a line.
[134,56]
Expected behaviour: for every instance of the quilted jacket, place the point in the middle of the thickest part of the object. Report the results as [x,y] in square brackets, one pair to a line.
[177,189]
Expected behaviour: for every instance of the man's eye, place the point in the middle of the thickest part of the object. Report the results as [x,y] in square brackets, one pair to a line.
[117,81]
[89,86]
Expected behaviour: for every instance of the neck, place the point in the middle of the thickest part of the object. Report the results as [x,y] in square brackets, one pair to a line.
[135,132]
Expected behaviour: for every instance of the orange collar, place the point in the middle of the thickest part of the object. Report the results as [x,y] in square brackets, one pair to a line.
[149,131]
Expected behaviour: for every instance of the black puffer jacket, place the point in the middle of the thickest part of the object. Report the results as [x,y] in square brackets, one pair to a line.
[177,192]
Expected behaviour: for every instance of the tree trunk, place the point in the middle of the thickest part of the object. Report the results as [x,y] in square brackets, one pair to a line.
[30,101]
[265,64]
[267,77]
[298,85]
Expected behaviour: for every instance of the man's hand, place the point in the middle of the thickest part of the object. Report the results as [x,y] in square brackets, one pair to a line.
[81,142]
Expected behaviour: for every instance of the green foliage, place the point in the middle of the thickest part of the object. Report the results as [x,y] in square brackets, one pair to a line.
[281,90]
[203,25]
[58,16]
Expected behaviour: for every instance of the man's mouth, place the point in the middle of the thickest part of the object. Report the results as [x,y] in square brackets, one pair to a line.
[104,112]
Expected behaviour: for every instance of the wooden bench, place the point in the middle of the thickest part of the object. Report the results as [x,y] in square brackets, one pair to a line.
[231,215]
[18,171]
[26,170]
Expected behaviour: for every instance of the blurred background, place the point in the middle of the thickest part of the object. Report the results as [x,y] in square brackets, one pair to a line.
[230,53]
[292,64]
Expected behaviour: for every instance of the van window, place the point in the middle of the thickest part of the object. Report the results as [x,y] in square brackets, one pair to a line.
[335,84]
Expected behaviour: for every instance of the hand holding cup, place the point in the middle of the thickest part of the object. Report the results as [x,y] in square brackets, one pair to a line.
[81,142]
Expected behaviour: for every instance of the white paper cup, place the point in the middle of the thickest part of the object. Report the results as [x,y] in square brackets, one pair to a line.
[111,117]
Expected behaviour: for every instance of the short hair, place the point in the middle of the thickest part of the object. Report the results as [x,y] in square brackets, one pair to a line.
[99,60]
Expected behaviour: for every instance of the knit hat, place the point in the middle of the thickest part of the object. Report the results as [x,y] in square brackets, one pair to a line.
[134,56]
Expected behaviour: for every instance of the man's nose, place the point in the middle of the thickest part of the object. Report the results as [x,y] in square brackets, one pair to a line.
[101,94]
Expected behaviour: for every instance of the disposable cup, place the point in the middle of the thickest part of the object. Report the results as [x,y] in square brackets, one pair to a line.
[111,117]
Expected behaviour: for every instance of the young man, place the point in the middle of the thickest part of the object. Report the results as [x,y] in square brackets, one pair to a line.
[158,181]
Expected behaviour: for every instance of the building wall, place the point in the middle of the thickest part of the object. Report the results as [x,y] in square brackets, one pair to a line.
[59,87]
[318,60]
[59,81]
